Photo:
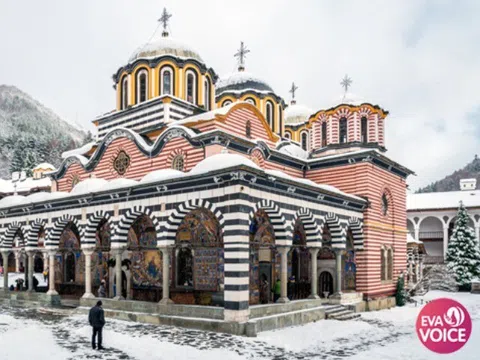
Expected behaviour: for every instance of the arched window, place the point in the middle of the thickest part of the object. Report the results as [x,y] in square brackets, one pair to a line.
[384,205]
[383,264]
[142,86]
[124,95]
[287,135]
[305,141]
[166,81]
[178,163]
[324,134]
[364,129]
[206,94]
[390,264]
[226,103]
[191,87]
[343,130]
[248,129]
[269,114]
[251,101]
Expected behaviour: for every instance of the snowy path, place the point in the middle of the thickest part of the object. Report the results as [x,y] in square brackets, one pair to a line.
[385,334]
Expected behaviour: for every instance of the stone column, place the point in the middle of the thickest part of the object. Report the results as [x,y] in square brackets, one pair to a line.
[88,274]
[51,273]
[118,274]
[477,232]
[30,270]
[445,241]
[45,261]
[166,251]
[129,284]
[17,260]
[5,270]
[338,262]
[417,232]
[283,250]
[314,276]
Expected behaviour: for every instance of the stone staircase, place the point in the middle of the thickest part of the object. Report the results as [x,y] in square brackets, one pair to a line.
[340,312]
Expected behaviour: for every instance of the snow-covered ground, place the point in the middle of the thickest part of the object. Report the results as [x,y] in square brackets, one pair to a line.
[12,277]
[387,334]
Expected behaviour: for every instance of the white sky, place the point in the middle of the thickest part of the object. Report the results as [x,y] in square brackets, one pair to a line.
[418,59]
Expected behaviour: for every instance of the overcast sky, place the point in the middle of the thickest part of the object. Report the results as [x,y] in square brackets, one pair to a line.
[418,59]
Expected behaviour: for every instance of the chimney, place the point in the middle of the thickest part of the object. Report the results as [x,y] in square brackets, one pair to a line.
[468,184]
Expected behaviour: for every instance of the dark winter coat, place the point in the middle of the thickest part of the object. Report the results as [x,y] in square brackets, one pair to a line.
[96,317]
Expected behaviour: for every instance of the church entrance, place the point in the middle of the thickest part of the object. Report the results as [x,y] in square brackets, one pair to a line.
[325,283]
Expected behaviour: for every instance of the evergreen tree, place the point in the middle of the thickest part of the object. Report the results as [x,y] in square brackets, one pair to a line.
[401,296]
[18,157]
[30,162]
[463,254]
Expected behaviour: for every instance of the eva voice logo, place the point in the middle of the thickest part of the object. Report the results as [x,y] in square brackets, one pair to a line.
[444,326]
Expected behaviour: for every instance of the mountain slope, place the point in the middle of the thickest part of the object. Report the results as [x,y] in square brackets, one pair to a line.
[452,181]
[30,133]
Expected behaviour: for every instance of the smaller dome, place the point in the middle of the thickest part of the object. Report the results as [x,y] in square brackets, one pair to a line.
[348,98]
[241,81]
[165,46]
[296,114]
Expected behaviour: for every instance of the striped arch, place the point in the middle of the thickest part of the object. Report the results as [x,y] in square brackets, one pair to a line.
[338,232]
[55,233]
[35,228]
[177,216]
[120,237]
[282,232]
[88,235]
[10,232]
[356,226]
[312,230]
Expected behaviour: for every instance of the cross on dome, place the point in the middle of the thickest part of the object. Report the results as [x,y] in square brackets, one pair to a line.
[346,82]
[164,21]
[292,91]
[241,55]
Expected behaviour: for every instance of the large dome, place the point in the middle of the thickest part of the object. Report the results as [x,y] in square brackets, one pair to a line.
[165,46]
[242,81]
[295,114]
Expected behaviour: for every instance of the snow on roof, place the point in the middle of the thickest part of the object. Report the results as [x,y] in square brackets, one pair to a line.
[412,240]
[165,45]
[79,151]
[119,183]
[443,200]
[221,161]
[241,81]
[293,150]
[89,185]
[9,187]
[11,200]
[44,166]
[297,114]
[209,115]
[161,175]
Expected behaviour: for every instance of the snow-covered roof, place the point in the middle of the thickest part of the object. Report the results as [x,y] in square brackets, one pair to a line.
[221,161]
[8,186]
[118,183]
[165,45]
[209,115]
[412,240]
[11,200]
[293,150]
[44,166]
[161,175]
[79,151]
[241,81]
[89,185]
[443,200]
[297,114]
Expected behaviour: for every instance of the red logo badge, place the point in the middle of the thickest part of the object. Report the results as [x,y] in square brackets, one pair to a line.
[444,326]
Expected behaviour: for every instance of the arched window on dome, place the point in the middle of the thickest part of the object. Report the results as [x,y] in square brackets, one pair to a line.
[191,87]
[251,101]
[287,135]
[248,129]
[269,113]
[304,138]
[166,81]
[343,130]
[124,95]
[364,129]
[178,163]
[206,94]
[324,134]
[226,103]
[142,86]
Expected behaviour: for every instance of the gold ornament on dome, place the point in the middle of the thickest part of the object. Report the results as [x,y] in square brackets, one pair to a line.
[121,163]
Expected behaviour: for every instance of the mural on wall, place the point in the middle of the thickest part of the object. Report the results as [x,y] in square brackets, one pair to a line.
[70,263]
[299,257]
[101,256]
[41,238]
[350,265]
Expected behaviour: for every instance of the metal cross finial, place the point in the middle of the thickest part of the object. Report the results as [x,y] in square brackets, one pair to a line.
[292,90]
[165,18]
[346,82]
[241,54]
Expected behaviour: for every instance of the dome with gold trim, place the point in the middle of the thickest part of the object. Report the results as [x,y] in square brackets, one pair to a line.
[240,82]
[297,113]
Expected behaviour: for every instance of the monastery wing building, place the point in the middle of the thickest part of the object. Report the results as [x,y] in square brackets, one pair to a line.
[206,190]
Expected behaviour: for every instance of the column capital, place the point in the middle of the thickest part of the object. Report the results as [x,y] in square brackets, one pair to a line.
[314,250]
[88,251]
[283,249]
[52,252]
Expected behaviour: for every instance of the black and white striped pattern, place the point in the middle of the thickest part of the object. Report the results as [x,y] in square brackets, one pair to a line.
[338,232]
[53,237]
[282,232]
[35,228]
[177,215]
[356,227]
[89,232]
[9,234]
[312,229]
[120,230]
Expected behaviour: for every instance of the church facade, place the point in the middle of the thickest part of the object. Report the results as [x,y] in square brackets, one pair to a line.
[206,190]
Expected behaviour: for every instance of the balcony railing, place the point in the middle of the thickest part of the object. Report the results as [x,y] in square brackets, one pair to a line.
[430,235]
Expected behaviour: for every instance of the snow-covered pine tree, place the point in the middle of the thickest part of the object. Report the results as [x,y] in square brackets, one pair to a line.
[463,253]
[30,162]
[18,158]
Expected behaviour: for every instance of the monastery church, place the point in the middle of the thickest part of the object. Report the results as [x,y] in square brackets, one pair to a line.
[201,191]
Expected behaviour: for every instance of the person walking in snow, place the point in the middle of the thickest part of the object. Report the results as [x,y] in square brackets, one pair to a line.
[96,318]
